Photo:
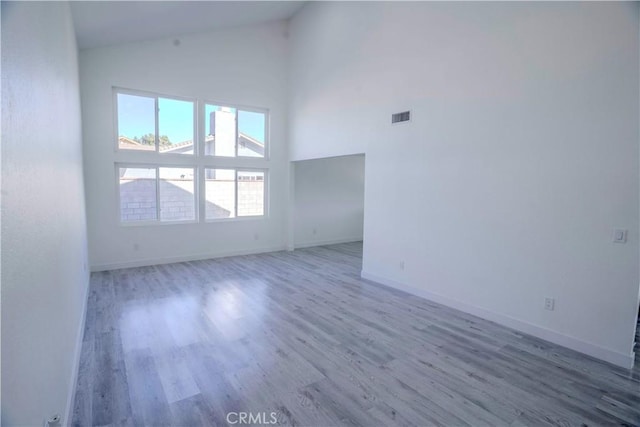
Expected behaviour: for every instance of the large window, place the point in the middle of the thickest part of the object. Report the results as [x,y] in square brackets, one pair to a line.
[186,160]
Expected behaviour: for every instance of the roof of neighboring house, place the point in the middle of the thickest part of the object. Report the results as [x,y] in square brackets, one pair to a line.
[245,141]
[251,139]
[248,143]
[180,146]
[129,144]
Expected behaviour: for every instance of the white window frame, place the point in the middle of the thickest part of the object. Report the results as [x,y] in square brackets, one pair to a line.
[158,220]
[265,111]
[156,131]
[265,199]
[198,160]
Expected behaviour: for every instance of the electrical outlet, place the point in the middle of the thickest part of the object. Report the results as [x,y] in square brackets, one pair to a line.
[549,304]
[136,247]
[315,231]
[401,265]
[256,236]
[619,235]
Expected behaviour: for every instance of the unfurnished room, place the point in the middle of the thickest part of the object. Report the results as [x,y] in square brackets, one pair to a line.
[320,213]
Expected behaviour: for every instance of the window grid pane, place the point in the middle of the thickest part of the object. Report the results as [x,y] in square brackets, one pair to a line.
[177,194]
[251,134]
[136,122]
[250,193]
[175,126]
[137,194]
[220,193]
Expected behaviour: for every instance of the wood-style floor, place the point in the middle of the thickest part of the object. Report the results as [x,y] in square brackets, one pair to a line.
[301,335]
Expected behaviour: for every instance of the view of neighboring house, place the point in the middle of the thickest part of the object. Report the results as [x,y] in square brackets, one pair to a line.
[175,186]
[247,146]
[219,141]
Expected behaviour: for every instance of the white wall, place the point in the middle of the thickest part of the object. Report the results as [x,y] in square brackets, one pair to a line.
[244,66]
[524,143]
[328,200]
[325,47]
[44,257]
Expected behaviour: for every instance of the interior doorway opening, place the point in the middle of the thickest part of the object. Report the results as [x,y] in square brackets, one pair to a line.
[328,201]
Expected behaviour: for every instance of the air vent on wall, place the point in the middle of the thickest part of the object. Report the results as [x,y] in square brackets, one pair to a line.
[405,116]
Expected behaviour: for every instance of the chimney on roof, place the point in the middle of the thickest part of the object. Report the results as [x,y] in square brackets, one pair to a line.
[222,126]
[209,147]
[212,123]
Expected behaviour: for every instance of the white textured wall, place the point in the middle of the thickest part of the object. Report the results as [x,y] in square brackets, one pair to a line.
[328,200]
[245,66]
[521,157]
[44,256]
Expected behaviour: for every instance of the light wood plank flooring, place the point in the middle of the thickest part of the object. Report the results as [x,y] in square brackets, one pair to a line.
[301,335]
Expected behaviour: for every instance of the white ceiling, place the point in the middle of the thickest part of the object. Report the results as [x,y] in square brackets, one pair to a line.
[103,23]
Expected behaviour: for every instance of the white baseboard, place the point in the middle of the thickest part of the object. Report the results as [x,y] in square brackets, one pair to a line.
[171,260]
[327,242]
[71,394]
[619,359]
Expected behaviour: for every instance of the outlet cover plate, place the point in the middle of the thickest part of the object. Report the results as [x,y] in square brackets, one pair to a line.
[549,304]
[619,235]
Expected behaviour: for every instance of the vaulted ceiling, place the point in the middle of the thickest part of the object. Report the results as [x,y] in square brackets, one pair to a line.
[103,23]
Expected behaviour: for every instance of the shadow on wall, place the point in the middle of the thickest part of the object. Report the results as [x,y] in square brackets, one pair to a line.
[138,201]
